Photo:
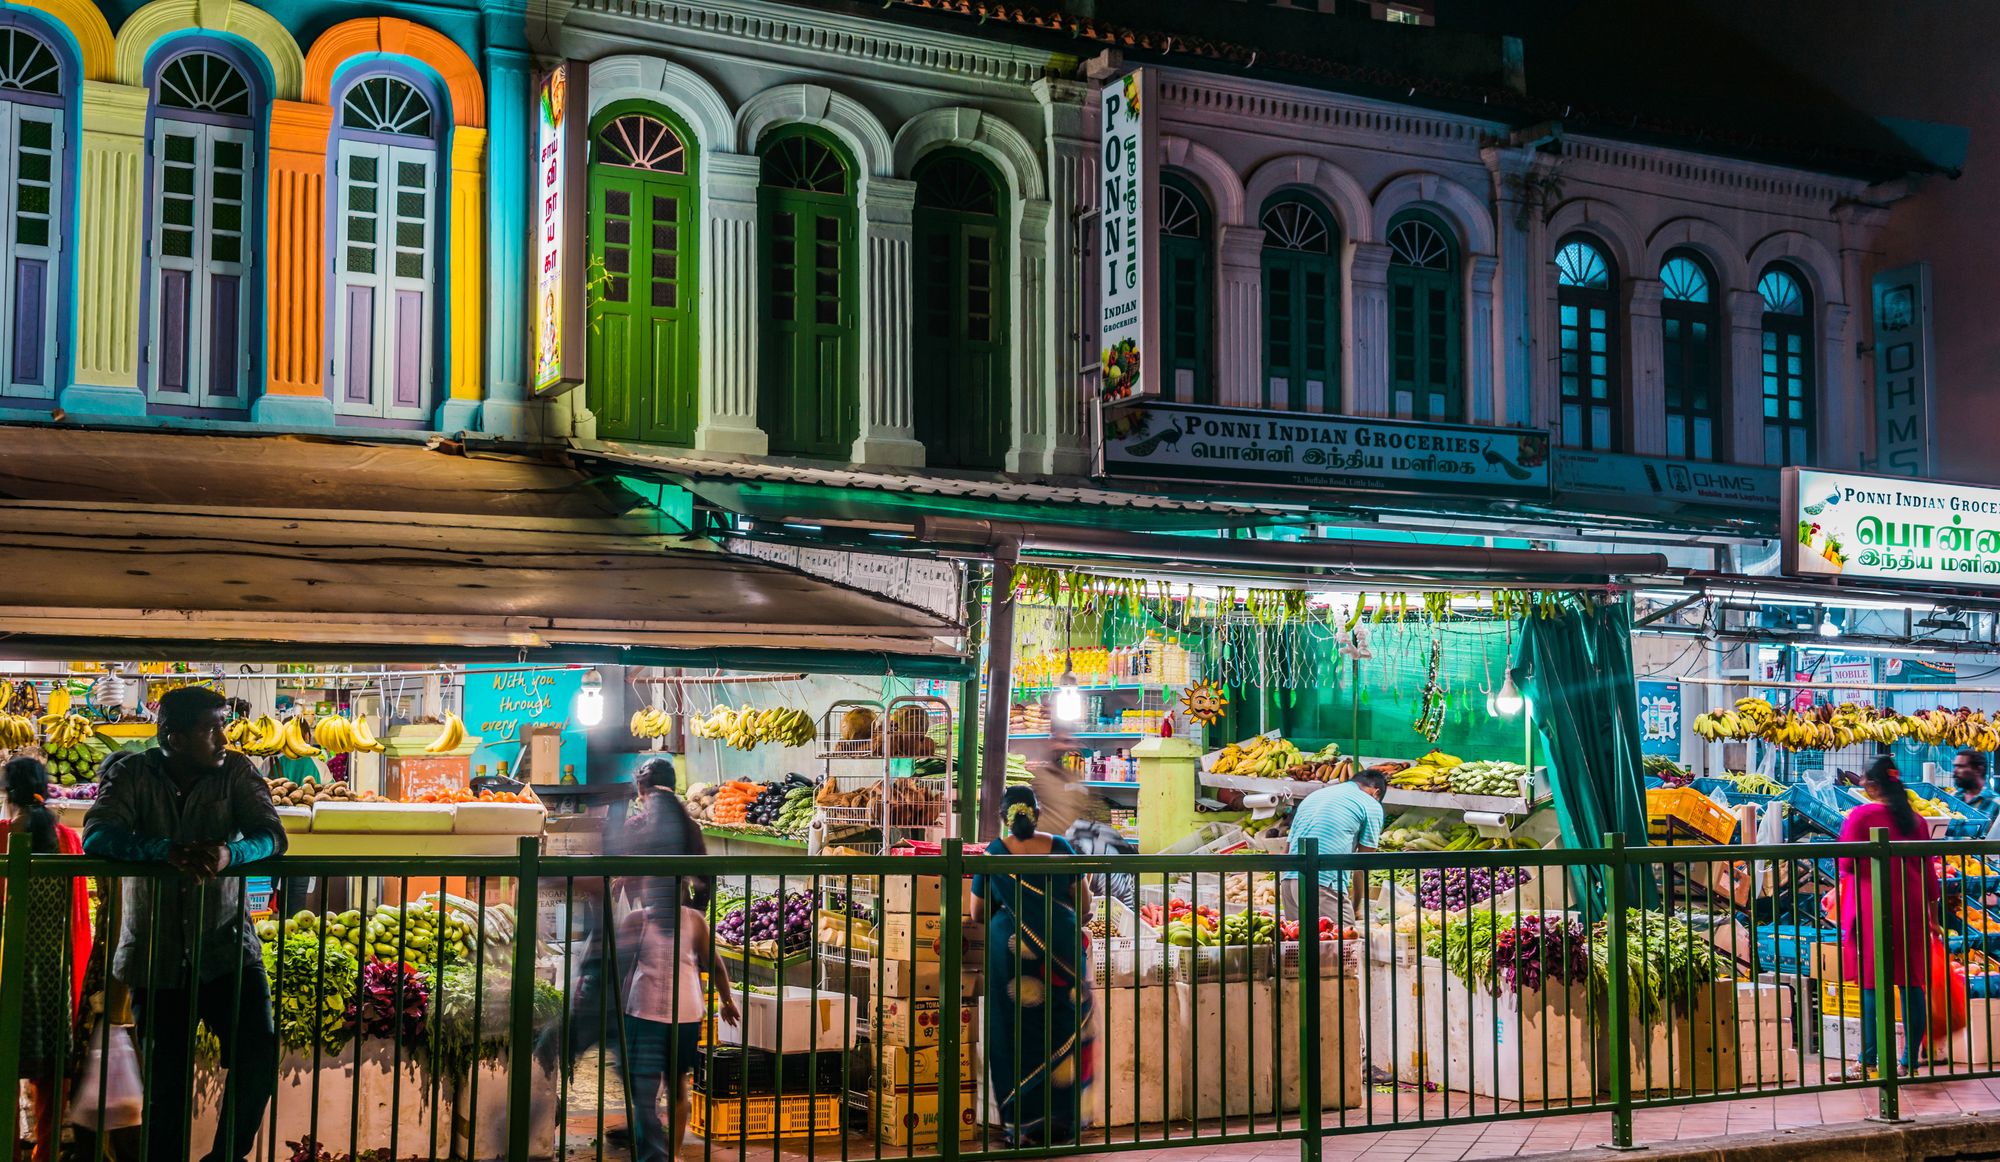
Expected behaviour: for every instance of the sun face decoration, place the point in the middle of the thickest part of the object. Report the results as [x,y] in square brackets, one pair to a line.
[1204,702]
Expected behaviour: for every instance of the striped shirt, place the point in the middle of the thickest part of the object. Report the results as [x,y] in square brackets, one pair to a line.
[1342,817]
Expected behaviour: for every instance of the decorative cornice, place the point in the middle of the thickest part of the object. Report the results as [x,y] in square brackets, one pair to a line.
[1815,191]
[747,23]
[1349,117]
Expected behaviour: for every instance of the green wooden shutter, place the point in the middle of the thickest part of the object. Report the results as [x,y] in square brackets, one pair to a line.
[809,398]
[964,404]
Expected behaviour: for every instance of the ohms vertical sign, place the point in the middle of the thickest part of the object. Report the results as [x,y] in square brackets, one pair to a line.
[1128,229]
[1903,370]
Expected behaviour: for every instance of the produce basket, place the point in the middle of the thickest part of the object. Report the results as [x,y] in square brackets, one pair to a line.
[1129,962]
[766,1116]
[1685,814]
[1219,962]
[1205,836]
[1787,949]
[731,1070]
[1337,958]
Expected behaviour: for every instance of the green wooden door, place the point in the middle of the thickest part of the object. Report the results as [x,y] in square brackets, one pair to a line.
[1301,307]
[640,379]
[1423,321]
[809,399]
[1186,280]
[964,413]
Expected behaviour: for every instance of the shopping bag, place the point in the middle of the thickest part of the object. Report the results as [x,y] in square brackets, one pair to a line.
[1946,993]
[113,1065]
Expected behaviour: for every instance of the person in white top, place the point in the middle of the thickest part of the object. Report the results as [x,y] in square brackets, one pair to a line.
[664,1006]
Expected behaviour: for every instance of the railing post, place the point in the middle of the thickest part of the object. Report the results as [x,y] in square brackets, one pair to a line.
[952,952]
[13,954]
[1312,1132]
[1886,1056]
[1620,1000]
[521,1047]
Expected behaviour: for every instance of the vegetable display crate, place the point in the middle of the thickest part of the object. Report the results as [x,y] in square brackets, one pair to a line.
[1246,1061]
[795,969]
[1837,999]
[731,1071]
[1816,810]
[1689,1048]
[1534,1046]
[1684,815]
[764,1116]
[1787,949]
[1146,1069]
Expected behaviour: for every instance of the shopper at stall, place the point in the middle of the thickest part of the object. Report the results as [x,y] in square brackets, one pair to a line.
[1345,818]
[58,949]
[1968,771]
[1912,892]
[1039,1051]
[664,1004]
[191,808]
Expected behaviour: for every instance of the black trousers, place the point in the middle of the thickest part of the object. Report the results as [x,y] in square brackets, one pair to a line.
[241,1019]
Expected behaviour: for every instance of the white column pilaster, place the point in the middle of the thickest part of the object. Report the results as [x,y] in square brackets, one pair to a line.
[1367,391]
[888,426]
[1647,401]
[1842,421]
[1068,308]
[1034,443]
[1239,318]
[1745,377]
[728,380]
[1479,274]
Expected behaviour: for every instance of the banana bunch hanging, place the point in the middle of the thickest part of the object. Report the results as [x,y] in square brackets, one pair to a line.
[336,735]
[265,737]
[651,723]
[746,727]
[16,730]
[1845,725]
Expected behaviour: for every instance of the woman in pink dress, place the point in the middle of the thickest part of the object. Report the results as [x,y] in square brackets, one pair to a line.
[1909,909]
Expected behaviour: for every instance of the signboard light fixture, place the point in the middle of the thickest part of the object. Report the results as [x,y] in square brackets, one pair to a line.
[590,699]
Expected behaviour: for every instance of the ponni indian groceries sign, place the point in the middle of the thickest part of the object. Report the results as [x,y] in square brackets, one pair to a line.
[1844,524]
[1169,441]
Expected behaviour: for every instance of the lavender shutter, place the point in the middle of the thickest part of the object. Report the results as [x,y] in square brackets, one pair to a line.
[383,353]
[202,178]
[31,146]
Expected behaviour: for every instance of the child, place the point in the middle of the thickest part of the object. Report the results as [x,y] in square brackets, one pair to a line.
[663,1012]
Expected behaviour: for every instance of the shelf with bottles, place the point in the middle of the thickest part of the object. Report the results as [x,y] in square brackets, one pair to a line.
[1151,663]
[1034,719]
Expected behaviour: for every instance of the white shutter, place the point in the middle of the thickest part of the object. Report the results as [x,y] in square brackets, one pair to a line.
[31,150]
[203,180]
[384,349]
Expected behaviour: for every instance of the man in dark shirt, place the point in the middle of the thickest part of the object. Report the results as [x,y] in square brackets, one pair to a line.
[186,947]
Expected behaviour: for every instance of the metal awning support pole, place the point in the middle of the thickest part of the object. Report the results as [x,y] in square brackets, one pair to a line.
[970,728]
[999,689]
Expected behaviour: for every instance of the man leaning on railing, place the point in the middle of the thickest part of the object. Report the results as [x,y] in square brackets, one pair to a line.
[188,951]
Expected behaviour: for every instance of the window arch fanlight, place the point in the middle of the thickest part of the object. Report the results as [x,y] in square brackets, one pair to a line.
[1301,275]
[1690,356]
[33,121]
[387,231]
[1587,346]
[1789,391]
[1424,326]
[809,401]
[202,256]
[641,368]
[1186,290]
[960,346]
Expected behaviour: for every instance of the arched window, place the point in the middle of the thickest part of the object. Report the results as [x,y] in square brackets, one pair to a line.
[202,252]
[640,377]
[964,405]
[1690,355]
[809,402]
[1587,346]
[1423,319]
[1301,305]
[1789,415]
[385,160]
[32,92]
[1186,291]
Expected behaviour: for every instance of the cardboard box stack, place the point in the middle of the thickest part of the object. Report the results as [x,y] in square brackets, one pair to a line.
[903,1094]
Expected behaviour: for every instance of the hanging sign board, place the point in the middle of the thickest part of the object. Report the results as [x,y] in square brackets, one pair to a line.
[503,706]
[1660,718]
[1127,236]
[1657,483]
[1844,524]
[1171,441]
[560,113]
[1903,390]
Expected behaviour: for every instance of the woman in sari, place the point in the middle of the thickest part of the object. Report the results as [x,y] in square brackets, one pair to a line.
[59,951]
[1039,1051]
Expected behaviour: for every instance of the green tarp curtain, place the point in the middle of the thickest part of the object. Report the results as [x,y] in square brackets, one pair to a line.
[1575,668]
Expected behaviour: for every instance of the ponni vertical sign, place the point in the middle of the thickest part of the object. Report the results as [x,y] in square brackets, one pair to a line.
[1903,370]
[1128,224]
[558,315]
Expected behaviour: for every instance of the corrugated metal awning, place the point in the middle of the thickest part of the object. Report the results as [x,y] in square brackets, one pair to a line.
[236,547]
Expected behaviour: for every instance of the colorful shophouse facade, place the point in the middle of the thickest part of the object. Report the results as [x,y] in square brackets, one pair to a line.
[233,217]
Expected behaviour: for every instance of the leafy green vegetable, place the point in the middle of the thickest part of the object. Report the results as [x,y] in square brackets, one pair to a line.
[1665,962]
[464,999]
[311,994]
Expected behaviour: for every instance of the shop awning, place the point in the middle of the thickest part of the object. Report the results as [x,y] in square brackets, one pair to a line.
[200,546]
[776,490]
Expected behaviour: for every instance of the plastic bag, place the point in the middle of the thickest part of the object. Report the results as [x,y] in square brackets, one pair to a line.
[117,1070]
[1946,994]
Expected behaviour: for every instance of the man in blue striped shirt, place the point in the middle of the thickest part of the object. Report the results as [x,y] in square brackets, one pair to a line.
[1345,818]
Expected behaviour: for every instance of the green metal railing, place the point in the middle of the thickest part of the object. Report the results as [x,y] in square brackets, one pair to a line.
[1548,997]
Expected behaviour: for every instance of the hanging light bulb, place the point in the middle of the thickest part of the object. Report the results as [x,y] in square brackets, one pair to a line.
[1508,700]
[590,699]
[1069,699]
[1827,626]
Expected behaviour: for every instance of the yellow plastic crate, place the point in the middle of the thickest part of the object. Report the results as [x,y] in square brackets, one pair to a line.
[1675,814]
[1844,1000]
[764,1116]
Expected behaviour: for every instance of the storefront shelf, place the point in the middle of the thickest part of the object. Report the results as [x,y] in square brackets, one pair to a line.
[753,837]
[1081,734]
[1111,785]
[1493,804]
[1253,785]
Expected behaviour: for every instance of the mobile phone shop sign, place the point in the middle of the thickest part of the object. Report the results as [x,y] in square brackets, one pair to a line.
[1842,524]
[1166,441]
